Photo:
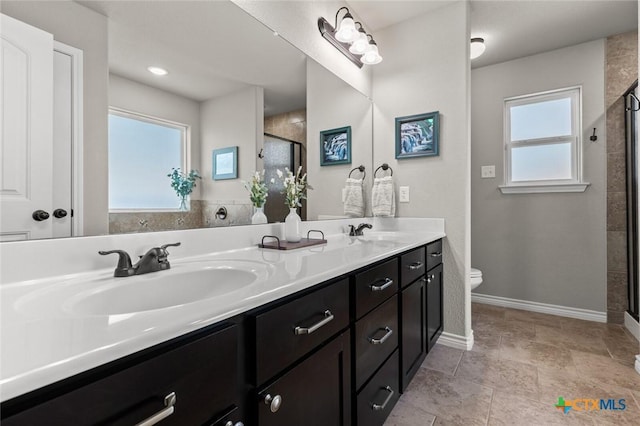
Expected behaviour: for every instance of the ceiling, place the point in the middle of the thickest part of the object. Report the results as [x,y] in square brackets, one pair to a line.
[516,28]
[209,48]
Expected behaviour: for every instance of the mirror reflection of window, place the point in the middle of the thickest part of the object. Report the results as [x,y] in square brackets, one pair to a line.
[142,151]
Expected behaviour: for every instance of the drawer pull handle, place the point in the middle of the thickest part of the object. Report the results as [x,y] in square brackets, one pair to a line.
[328,317]
[387,283]
[437,254]
[383,339]
[416,265]
[376,407]
[274,402]
[169,402]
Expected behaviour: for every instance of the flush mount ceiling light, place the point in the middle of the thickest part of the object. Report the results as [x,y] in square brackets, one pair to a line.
[352,42]
[477,47]
[157,71]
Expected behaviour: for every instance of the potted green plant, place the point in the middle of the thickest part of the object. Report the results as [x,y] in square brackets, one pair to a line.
[183,184]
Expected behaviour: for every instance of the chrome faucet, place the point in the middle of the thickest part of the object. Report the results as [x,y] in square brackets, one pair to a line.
[357,232]
[152,261]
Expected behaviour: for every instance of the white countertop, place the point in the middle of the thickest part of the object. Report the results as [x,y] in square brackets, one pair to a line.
[44,346]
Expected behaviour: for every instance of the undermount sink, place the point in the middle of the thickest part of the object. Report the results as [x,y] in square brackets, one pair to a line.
[180,285]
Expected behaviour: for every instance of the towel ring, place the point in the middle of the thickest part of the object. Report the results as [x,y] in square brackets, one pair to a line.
[385,167]
[360,169]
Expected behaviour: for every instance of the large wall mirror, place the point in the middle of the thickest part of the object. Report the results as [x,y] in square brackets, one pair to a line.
[231,82]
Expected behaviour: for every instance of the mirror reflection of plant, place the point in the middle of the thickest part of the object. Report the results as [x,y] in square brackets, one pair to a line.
[295,187]
[258,191]
[183,183]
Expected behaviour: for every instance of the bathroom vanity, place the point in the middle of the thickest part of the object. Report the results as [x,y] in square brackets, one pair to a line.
[294,350]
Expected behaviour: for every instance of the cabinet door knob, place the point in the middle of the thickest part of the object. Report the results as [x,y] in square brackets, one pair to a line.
[230,423]
[40,215]
[274,402]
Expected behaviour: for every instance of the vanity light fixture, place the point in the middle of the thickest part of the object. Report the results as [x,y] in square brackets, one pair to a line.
[352,42]
[157,71]
[477,47]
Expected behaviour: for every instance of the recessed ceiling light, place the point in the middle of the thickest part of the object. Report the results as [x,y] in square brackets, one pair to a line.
[477,47]
[158,71]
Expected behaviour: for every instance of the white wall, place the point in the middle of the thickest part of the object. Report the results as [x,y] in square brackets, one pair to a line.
[236,119]
[548,248]
[77,26]
[297,22]
[137,97]
[426,68]
[332,103]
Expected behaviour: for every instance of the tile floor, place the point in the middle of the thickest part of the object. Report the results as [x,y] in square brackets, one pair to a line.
[520,364]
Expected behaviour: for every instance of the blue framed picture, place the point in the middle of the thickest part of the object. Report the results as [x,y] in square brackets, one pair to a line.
[335,146]
[418,135]
[225,163]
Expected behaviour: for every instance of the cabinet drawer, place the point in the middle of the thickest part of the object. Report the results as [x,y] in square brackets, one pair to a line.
[286,333]
[314,393]
[412,266]
[376,338]
[375,285]
[377,398]
[202,374]
[434,254]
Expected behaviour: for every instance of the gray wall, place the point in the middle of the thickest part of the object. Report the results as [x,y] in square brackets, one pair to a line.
[77,26]
[547,248]
[426,68]
[348,107]
[137,97]
[236,119]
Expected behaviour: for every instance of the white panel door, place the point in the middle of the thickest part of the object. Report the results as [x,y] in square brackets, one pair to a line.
[26,125]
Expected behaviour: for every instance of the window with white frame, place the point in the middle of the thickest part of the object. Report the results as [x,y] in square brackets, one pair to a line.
[142,152]
[543,143]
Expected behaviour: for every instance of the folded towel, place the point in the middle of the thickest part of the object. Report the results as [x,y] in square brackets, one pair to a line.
[383,202]
[353,198]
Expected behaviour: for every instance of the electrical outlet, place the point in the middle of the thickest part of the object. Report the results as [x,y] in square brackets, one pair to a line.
[404,194]
[488,172]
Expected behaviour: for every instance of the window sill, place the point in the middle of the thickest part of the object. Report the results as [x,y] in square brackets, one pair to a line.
[543,188]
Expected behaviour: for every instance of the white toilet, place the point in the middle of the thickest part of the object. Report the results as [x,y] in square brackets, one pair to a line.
[475,278]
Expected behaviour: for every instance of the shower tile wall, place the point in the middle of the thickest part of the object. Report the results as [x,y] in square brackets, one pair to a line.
[622,71]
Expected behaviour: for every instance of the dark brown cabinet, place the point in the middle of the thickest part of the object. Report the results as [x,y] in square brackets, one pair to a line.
[339,353]
[316,392]
[434,305]
[414,330]
[190,385]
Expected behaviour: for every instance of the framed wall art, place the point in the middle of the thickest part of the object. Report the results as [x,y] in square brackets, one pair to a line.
[418,135]
[225,163]
[335,146]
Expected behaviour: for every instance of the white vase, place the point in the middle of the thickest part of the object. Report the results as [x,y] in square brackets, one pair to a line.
[258,217]
[292,226]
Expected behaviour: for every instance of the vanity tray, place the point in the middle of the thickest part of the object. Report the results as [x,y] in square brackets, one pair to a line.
[279,244]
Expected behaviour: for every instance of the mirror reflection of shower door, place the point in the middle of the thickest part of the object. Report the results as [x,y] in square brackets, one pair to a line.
[631,139]
[278,154]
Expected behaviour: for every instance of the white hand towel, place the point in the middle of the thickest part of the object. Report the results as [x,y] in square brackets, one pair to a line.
[383,200]
[353,198]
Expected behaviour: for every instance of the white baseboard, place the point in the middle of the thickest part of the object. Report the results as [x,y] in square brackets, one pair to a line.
[456,341]
[637,364]
[632,325]
[543,308]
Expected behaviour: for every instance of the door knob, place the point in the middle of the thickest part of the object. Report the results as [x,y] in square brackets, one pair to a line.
[59,213]
[273,402]
[40,215]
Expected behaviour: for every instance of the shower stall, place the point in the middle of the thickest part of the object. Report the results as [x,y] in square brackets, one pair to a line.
[632,105]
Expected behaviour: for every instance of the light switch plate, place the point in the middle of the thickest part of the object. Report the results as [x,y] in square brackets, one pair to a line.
[488,172]
[404,194]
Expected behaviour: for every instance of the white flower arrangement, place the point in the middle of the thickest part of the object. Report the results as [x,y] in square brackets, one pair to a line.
[295,187]
[257,188]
